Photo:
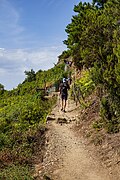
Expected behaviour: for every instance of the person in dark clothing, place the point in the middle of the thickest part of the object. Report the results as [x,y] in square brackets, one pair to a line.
[64,87]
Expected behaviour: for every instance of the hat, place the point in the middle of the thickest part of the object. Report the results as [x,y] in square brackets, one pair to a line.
[64,80]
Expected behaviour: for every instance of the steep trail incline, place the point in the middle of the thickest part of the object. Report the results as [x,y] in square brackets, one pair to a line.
[67,157]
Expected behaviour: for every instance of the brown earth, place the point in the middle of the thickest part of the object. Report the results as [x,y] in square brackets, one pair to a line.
[74,150]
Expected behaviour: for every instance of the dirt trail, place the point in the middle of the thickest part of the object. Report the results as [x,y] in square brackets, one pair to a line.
[67,157]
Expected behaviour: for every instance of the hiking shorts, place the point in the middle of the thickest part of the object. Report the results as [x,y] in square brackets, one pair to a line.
[64,96]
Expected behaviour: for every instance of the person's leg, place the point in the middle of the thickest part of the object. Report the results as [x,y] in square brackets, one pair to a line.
[64,104]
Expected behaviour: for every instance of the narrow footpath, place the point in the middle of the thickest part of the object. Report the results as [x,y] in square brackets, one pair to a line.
[67,157]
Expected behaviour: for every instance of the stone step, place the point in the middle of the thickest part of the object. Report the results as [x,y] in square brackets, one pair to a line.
[62,120]
[51,118]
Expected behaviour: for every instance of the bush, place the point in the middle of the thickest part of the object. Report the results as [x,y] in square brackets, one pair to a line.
[110,115]
[85,83]
[15,172]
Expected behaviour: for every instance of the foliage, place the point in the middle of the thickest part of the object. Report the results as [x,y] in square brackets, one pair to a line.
[23,114]
[85,83]
[51,76]
[82,88]
[98,125]
[16,173]
[64,55]
[110,115]
[1,89]
[30,75]
[93,40]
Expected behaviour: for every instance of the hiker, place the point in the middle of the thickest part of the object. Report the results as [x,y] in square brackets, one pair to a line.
[64,87]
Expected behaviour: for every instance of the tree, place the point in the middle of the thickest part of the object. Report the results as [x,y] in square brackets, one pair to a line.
[31,76]
[1,87]
[76,31]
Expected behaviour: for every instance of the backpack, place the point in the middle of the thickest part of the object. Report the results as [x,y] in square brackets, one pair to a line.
[64,88]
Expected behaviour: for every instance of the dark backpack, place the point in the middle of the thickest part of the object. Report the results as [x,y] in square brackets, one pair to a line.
[64,88]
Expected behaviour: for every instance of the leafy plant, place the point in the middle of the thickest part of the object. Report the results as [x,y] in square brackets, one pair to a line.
[85,83]
[16,173]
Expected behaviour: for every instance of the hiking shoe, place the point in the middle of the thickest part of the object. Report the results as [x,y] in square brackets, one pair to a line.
[62,109]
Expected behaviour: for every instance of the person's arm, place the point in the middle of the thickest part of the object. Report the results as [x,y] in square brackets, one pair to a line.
[60,88]
[68,87]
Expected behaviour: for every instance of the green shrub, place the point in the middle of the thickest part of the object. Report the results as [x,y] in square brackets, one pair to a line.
[15,172]
[98,125]
[110,115]
[85,83]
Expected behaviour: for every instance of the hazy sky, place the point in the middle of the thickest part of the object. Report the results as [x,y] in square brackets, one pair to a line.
[31,36]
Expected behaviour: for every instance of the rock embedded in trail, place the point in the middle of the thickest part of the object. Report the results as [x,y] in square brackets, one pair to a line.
[51,118]
[62,120]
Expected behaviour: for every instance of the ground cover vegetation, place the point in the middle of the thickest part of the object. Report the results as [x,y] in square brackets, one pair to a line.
[23,112]
[94,43]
